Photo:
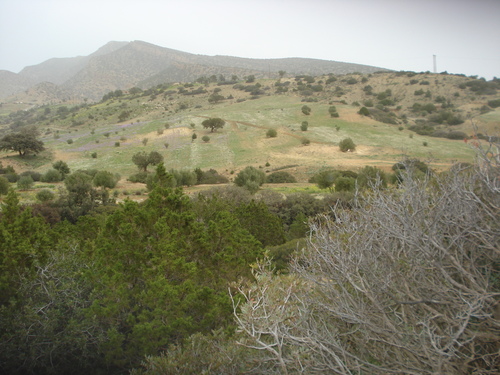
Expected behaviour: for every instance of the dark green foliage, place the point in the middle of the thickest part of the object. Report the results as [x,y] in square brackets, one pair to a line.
[369,177]
[45,195]
[345,184]
[347,144]
[143,159]
[34,175]
[261,223]
[304,126]
[250,178]
[325,180]
[382,115]
[333,111]
[62,167]
[271,133]
[23,243]
[52,175]
[139,177]
[306,110]
[4,185]
[364,111]
[494,103]
[209,177]
[482,87]
[213,124]
[280,177]
[25,183]
[205,138]
[24,142]
[105,179]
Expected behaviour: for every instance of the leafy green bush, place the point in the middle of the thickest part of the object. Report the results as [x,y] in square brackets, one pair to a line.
[364,111]
[34,175]
[138,177]
[25,183]
[250,178]
[347,144]
[4,185]
[52,175]
[271,133]
[45,195]
[494,103]
[280,177]
[306,110]
[304,126]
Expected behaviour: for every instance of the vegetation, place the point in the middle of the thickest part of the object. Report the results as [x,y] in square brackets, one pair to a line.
[213,124]
[24,142]
[347,144]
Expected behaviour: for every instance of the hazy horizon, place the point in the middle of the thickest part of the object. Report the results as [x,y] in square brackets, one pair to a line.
[392,34]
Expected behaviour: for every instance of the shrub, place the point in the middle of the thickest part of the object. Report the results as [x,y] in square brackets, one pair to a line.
[205,138]
[345,184]
[69,141]
[280,177]
[494,103]
[305,141]
[271,133]
[304,126]
[139,177]
[45,195]
[94,155]
[11,177]
[347,144]
[34,175]
[306,110]
[25,182]
[364,111]
[117,144]
[4,185]
[52,175]
[250,178]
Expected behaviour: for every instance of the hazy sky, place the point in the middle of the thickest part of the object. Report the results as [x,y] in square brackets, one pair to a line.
[394,34]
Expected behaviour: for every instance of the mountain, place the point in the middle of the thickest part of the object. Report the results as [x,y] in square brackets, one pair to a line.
[122,65]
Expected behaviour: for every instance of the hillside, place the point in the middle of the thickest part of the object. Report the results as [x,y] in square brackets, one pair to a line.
[424,116]
[122,65]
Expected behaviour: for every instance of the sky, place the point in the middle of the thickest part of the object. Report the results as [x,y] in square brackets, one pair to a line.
[464,35]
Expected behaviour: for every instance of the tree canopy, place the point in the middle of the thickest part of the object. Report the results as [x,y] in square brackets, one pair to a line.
[143,159]
[213,124]
[24,142]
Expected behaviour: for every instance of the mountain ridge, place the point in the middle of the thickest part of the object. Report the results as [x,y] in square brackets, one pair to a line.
[122,65]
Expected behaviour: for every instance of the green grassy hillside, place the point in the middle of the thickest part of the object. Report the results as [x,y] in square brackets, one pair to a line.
[167,116]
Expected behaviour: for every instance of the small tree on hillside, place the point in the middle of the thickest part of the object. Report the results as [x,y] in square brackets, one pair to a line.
[271,133]
[347,144]
[62,168]
[250,178]
[24,142]
[213,124]
[143,160]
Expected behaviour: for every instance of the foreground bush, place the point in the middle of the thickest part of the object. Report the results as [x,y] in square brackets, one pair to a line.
[408,283]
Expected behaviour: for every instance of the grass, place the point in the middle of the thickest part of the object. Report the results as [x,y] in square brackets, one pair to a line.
[243,140]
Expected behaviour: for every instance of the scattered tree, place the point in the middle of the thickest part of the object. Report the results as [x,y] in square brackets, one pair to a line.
[213,124]
[306,110]
[304,126]
[250,178]
[271,133]
[347,144]
[143,159]
[24,142]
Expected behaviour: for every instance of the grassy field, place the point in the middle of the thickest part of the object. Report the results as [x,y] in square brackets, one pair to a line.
[92,137]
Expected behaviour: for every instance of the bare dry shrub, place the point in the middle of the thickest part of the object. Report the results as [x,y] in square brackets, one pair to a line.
[406,283]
